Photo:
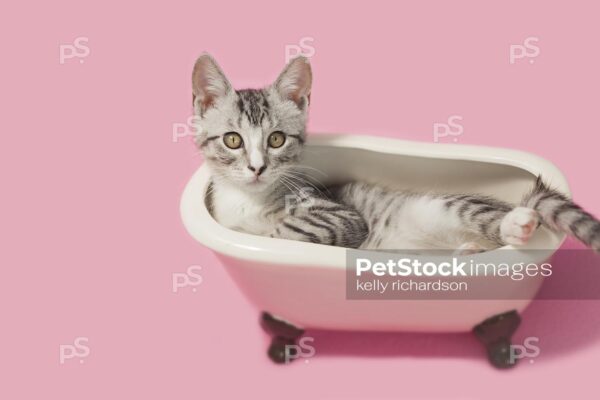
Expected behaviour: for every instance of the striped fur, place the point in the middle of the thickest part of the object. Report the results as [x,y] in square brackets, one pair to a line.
[253,114]
[356,215]
[560,214]
[288,213]
[410,220]
[407,220]
[274,203]
[323,221]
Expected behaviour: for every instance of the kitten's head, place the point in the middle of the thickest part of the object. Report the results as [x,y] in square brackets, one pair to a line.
[249,137]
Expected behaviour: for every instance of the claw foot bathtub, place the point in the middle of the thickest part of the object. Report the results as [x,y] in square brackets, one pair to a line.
[304,284]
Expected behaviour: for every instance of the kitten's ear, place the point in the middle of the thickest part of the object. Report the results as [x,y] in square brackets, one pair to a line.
[208,82]
[294,81]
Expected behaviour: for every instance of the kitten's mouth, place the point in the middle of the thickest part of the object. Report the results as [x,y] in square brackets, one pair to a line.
[256,181]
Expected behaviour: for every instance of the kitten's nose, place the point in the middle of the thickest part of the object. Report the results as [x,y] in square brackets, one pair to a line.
[260,170]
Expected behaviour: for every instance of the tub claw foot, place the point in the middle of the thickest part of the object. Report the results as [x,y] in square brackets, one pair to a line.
[283,347]
[282,350]
[495,334]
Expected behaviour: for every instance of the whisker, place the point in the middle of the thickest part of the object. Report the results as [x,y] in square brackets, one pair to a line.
[309,167]
[306,182]
[286,185]
[289,181]
[306,176]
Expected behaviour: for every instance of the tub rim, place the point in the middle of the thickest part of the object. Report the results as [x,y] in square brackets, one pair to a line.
[203,228]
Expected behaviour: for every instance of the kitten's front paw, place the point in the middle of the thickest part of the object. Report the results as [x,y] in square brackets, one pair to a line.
[518,225]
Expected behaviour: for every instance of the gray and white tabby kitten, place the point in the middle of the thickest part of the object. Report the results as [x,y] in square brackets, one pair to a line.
[252,141]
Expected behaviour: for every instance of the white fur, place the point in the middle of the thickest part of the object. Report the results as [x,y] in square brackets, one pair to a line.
[255,145]
[518,225]
[425,223]
[238,209]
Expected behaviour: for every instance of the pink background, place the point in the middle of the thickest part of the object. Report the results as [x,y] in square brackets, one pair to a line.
[92,179]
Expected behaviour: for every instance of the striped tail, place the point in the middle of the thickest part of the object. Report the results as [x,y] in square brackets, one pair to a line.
[560,214]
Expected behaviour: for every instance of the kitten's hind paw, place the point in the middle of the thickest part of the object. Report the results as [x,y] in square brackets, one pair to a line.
[469,248]
[518,226]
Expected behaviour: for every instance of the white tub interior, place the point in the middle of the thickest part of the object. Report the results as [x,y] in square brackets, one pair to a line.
[418,173]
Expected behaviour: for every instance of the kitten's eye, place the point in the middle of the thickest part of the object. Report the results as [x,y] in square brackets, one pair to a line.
[276,139]
[232,140]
